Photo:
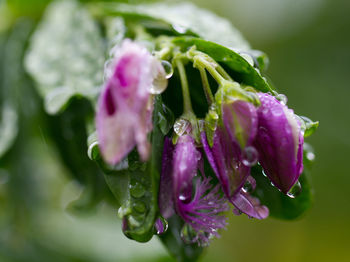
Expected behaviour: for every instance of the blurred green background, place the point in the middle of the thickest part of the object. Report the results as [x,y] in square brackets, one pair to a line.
[308,45]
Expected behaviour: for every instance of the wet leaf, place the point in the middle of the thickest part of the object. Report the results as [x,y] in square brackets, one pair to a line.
[66,55]
[183,18]
[12,46]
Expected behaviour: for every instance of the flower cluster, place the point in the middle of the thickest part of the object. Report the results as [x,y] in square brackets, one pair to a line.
[243,128]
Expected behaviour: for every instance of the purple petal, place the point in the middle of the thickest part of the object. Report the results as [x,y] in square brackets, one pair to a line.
[199,205]
[226,161]
[241,121]
[279,143]
[204,211]
[165,197]
[250,205]
[185,164]
[125,106]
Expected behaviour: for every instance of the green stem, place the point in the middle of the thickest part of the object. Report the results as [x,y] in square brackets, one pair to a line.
[201,62]
[161,54]
[223,72]
[184,86]
[206,87]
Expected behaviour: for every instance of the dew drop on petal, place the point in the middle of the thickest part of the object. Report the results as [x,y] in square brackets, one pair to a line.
[295,190]
[184,198]
[250,156]
[168,68]
[188,235]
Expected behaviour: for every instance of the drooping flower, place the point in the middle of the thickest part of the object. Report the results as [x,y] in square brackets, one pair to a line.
[279,142]
[125,105]
[232,154]
[195,199]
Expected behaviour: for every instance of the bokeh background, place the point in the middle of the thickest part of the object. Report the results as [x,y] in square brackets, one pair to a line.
[308,43]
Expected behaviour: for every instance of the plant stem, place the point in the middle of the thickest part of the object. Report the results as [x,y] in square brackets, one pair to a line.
[201,62]
[206,87]
[184,86]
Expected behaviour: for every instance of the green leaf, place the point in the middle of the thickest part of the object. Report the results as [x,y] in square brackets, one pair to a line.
[308,125]
[183,18]
[242,70]
[8,127]
[175,245]
[12,78]
[66,55]
[280,205]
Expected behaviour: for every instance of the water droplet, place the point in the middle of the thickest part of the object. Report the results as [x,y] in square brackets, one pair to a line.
[248,58]
[188,235]
[137,190]
[159,84]
[134,221]
[168,68]
[123,211]
[139,207]
[250,156]
[184,198]
[248,187]
[161,225]
[310,156]
[295,190]
[181,126]
[282,98]
[165,119]
[180,29]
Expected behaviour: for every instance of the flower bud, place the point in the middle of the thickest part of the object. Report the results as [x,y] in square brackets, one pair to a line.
[279,143]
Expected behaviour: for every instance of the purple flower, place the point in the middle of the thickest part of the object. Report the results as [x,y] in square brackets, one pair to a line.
[229,144]
[195,199]
[124,113]
[232,154]
[279,143]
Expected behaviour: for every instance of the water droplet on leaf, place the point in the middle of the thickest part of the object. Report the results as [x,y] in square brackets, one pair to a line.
[139,207]
[137,190]
[248,58]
